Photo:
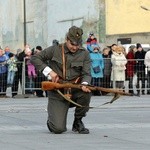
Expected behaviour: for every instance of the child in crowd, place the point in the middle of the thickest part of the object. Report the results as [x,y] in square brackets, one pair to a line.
[97,67]
[12,68]
[92,40]
[30,67]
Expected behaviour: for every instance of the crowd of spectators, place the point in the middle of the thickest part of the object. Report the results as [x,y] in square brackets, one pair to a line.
[115,66]
[11,72]
[110,68]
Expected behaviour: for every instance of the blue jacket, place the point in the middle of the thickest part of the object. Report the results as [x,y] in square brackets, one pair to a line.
[97,60]
[3,67]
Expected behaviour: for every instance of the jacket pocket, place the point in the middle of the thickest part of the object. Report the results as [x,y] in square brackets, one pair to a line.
[77,66]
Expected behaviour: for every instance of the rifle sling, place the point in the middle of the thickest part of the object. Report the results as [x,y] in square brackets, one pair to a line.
[116,96]
[68,99]
[63,62]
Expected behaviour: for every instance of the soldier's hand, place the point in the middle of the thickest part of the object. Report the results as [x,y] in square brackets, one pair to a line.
[54,76]
[85,89]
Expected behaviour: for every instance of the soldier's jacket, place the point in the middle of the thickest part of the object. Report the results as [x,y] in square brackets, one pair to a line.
[77,64]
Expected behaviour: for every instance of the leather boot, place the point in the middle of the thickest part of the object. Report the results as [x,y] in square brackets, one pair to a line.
[78,126]
[49,126]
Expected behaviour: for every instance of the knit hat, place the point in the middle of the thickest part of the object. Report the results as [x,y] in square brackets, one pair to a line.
[10,55]
[91,34]
[95,46]
[138,45]
[39,48]
[132,47]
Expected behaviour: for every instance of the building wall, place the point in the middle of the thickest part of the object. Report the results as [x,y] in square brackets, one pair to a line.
[127,16]
[46,20]
[11,23]
[36,23]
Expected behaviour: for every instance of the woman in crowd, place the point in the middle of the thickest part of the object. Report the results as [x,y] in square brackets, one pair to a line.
[118,61]
[130,71]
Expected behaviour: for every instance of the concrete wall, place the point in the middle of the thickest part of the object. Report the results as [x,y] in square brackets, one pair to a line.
[11,23]
[36,22]
[45,20]
[62,14]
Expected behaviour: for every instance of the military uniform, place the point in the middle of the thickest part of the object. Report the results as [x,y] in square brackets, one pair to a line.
[77,65]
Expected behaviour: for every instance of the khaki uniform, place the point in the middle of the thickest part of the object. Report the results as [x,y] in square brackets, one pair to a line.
[77,65]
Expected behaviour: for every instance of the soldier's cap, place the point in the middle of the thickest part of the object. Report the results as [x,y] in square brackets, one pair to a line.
[75,35]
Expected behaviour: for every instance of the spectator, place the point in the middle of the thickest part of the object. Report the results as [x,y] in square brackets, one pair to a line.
[92,40]
[147,64]
[18,74]
[118,61]
[29,72]
[130,71]
[21,57]
[3,74]
[6,52]
[97,67]
[140,68]
[106,82]
[12,68]
[55,42]
[112,48]
[40,77]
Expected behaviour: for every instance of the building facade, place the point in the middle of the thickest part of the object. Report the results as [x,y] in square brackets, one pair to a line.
[39,22]
[127,19]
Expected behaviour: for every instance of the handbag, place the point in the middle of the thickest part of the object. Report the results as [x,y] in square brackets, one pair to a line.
[97,69]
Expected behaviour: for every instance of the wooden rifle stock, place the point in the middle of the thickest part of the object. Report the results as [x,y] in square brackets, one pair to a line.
[47,85]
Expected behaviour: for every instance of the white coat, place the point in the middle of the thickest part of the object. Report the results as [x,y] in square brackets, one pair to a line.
[118,66]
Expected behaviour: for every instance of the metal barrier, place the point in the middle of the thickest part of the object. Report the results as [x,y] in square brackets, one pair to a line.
[32,80]
[25,84]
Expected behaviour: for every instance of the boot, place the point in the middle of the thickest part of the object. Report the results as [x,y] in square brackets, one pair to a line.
[49,126]
[79,126]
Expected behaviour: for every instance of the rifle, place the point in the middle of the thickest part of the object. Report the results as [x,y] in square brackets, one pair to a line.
[47,85]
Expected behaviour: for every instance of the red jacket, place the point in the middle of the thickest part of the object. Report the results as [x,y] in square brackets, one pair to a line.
[130,67]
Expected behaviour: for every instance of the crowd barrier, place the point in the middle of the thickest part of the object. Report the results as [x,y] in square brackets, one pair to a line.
[26,84]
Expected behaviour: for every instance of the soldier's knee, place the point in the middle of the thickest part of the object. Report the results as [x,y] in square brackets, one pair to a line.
[55,129]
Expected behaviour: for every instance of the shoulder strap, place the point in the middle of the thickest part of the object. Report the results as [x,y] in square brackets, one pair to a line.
[64,62]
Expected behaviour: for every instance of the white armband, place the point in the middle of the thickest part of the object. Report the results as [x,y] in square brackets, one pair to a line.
[46,71]
[84,83]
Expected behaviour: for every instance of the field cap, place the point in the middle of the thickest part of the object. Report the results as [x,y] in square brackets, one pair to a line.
[75,35]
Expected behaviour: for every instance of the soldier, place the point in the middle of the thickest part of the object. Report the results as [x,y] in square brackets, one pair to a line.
[68,62]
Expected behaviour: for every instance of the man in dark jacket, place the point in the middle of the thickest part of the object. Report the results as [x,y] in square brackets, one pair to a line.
[140,68]
[67,63]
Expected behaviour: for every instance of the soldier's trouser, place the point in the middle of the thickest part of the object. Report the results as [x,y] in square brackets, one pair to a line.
[58,109]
